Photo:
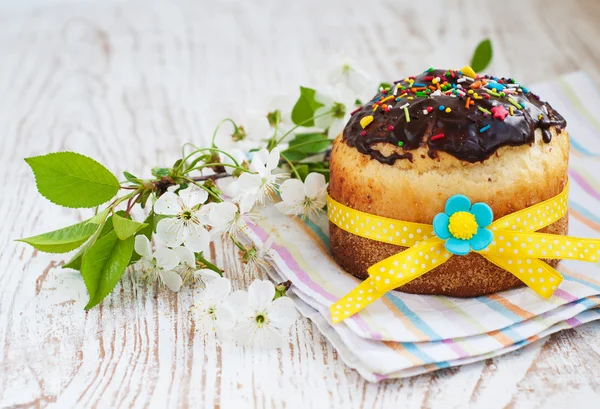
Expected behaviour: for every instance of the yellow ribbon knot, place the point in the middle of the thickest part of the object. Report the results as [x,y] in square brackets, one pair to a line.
[515,247]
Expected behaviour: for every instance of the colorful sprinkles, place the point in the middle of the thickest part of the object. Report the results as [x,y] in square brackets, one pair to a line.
[464,98]
[364,122]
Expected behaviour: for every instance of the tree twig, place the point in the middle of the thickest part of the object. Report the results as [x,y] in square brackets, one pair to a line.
[210,177]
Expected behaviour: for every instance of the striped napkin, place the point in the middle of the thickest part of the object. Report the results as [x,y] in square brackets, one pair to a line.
[403,335]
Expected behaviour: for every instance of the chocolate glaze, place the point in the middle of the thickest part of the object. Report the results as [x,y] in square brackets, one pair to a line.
[462,128]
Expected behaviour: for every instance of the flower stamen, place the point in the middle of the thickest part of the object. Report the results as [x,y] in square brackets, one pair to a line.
[463,225]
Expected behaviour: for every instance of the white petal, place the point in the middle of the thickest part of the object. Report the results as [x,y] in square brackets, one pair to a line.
[336,127]
[218,288]
[243,332]
[203,212]
[225,318]
[266,337]
[196,238]
[171,231]
[283,312]
[273,160]
[346,96]
[314,184]
[323,121]
[237,154]
[259,161]
[166,259]
[262,154]
[207,275]
[237,301]
[249,182]
[257,126]
[292,191]
[324,98]
[145,264]
[289,209]
[171,280]
[142,246]
[193,196]
[186,256]
[168,204]
[361,84]
[260,294]
[204,321]
[281,102]
[231,187]
[246,202]
[222,214]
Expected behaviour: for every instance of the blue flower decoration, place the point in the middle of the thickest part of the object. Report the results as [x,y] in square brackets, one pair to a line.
[464,226]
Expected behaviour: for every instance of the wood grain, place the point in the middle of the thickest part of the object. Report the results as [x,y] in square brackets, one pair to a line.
[128,83]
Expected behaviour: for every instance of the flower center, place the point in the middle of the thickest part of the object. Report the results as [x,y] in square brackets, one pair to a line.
[463,225]
[239,134]
[274,118]
[260,319]
[188,217]
[338,110]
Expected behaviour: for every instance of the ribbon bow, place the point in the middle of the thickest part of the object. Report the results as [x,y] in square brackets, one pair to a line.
[509,242]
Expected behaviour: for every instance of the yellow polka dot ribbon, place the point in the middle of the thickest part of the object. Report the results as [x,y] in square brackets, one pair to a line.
[516,247]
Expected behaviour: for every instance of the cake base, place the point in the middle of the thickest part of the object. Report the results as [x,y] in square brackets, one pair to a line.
[356,254]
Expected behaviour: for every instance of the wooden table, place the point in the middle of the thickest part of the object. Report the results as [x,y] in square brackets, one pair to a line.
[128,83]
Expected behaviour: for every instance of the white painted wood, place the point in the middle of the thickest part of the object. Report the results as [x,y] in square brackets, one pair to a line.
[129,82]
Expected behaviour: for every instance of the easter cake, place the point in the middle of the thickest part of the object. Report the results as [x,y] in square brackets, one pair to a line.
[426,138]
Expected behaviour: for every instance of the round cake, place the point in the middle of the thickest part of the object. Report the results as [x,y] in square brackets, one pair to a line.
[423,139]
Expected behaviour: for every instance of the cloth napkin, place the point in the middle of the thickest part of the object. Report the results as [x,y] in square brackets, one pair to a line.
[403,335]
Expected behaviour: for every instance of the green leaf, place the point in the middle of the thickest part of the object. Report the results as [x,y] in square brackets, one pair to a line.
[293,155]
[482,56]
[62,240]
[147,230]
[104,264]
[303,171]
[100,217]
[75,261]
[161,172]
[177,163]
[311,143]
[305,107]
[104,228]
[126,228]
[131,178]
[384,85]
[320,167]
[73,180]
[144,197]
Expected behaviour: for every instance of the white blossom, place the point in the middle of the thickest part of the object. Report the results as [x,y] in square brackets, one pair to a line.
[211,312]
[239,156]
[343,71]
[263,182]
[261,321]
[189,270]
[302,199]
[257,258]
[187,221]
[338,102]
[232,219]
[158,265]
